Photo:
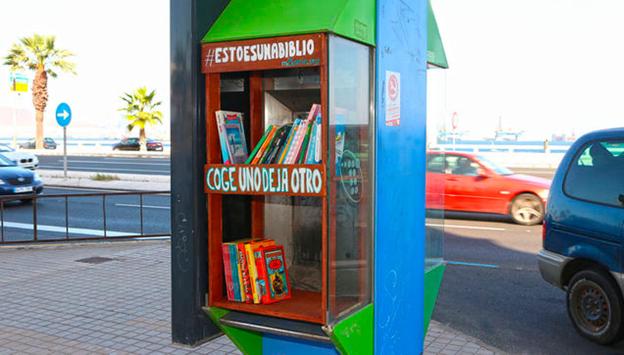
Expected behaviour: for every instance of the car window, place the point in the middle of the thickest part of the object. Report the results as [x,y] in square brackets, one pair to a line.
[458,165]
[595,174]
[436,164]
[4,162]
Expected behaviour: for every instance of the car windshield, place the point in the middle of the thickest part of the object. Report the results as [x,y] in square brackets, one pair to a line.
[5,148]
[4,162]
[498,169]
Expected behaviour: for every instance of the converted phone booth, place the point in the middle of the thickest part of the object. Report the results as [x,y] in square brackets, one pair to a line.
[314,176]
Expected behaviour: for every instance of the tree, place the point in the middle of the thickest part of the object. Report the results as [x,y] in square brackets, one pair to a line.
[39,54]
[141,109]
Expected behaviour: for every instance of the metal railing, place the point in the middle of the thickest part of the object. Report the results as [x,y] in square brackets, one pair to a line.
[32,200]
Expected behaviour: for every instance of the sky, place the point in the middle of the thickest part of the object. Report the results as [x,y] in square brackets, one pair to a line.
[119,46]
[543,66]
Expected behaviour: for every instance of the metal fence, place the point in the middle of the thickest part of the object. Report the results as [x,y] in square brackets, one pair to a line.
[64,210]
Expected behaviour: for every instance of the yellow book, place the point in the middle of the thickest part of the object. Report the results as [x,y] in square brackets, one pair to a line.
[241,281]
[251,262]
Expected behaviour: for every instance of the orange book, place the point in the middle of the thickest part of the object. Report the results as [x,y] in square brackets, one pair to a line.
[264,146]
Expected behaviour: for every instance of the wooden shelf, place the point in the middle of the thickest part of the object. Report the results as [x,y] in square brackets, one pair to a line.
[303,306]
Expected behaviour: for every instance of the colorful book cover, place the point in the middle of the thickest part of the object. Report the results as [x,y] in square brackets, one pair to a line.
[289,141]
[242,257]
[278,285]
[232,123]
[234,271]
[227,270]
[277,146]
[265,145]
[312,145]
[260,143]
[304,146]
[241,282]
[293,153]
[253,270]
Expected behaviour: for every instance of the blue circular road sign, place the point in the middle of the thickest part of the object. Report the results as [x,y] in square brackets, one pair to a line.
[63,114]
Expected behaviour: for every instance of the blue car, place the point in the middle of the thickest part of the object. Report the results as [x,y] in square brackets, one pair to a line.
[18,181]
[583,235]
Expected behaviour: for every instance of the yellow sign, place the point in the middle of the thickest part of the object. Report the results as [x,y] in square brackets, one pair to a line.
[19,82]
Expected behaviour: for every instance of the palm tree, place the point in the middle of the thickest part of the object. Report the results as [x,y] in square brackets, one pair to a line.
[141,110]
[39,54]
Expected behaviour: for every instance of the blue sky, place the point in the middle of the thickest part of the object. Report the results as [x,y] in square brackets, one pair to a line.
[119,45]
[544,66]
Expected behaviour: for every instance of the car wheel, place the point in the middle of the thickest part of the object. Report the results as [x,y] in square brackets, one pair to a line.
[527,209]
[595,307]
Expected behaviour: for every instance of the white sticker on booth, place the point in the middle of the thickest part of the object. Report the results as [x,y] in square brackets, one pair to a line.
[393,98]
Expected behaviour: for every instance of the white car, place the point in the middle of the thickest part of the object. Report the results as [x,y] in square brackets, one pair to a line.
[22,159]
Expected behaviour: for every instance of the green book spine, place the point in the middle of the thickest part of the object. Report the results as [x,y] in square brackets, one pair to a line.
[255,150]
[304,146]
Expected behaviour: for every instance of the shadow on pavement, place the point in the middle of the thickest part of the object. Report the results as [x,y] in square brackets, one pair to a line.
[510,307]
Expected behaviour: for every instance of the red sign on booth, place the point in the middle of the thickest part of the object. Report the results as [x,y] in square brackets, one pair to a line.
[264,53]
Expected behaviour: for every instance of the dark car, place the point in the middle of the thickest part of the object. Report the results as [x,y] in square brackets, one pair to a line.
[18,181]
[48,143]
[134,144]
[583,235]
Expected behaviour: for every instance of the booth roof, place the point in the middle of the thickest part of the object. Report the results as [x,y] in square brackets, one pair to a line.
[435,49]
[354,19]
[248,19]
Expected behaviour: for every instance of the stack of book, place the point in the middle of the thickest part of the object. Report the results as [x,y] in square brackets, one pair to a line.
[255,271]
[296,143]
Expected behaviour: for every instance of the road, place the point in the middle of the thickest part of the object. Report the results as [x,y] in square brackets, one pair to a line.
[86,216]
[149,166]
[492,290]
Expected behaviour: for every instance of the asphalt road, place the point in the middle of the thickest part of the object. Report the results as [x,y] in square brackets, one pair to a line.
[149,166]
[492,290]
[86,216]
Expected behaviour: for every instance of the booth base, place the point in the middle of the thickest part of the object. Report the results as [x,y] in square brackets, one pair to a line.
[433,280]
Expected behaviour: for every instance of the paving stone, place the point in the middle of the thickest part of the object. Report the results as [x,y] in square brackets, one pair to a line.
[118,307]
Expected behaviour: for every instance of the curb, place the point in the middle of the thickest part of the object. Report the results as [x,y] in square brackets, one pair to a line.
[125,182]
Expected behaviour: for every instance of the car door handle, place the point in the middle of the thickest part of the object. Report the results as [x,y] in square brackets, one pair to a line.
[451,179]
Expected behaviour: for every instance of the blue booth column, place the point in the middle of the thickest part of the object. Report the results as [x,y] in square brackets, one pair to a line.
[399,250]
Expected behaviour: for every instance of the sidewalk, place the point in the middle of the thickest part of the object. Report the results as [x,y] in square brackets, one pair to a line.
[114,298]
[82,179]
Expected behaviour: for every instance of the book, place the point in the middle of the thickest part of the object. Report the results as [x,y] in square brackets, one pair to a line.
[286,148]
[265,144]
[274,274]
[280,137]
[231,130]
[250,248]
[314,142]
[304,146]
[260,143]
[244,267]
[234,271]
[227,270]
[295,148]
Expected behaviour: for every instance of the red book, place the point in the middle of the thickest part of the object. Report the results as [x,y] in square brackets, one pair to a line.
[227,269]
[242,255]
[273,272]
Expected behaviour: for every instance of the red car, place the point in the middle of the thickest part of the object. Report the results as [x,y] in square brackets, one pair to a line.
[472,183]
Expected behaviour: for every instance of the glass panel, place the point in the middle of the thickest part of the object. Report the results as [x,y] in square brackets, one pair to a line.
[294,222]
[596,174]
[437,166]
[350,182]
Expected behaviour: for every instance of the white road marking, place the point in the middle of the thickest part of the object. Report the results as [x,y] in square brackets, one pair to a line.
[144,206]
[465,227]
[97,169]
[83,231]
